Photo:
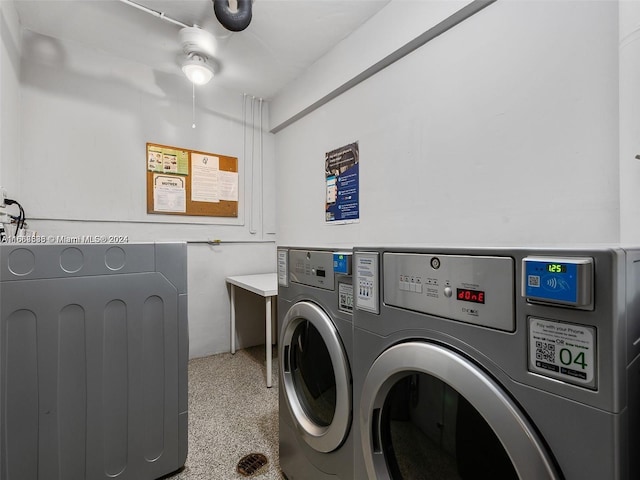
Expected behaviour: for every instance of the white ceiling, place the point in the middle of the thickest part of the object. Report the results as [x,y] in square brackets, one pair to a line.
[284,38]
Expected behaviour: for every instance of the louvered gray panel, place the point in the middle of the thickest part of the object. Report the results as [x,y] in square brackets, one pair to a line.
[93,363]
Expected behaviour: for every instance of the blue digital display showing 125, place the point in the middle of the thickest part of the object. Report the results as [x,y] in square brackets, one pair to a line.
[556,268]
[557,280]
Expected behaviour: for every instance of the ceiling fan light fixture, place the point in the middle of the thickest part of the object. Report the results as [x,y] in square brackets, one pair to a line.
[197,69]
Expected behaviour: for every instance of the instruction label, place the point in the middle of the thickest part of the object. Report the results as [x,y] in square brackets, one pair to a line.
[366,281]
[345,297]
[283,268]
[563,350]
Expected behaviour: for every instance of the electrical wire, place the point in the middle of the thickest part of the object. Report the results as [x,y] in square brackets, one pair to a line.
[20,219]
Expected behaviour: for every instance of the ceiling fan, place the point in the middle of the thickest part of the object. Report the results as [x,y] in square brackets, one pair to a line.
[198,45]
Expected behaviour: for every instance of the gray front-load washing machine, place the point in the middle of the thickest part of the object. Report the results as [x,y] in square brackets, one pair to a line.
[315,307]
[497,363]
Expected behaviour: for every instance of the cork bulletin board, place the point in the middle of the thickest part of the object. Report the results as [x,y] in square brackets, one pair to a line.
[189,182]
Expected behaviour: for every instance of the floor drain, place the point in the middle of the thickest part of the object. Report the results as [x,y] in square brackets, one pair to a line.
[250,464]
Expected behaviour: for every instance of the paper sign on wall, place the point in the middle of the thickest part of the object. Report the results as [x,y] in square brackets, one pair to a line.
[169,193]
[342,204]
[228,186]
[205,171]
[167,160]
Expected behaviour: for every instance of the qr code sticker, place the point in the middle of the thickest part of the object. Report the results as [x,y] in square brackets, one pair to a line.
[533,280]
[546,351]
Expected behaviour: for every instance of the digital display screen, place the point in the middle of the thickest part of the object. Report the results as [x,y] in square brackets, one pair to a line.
[556,268]
[467,295]
[321,273]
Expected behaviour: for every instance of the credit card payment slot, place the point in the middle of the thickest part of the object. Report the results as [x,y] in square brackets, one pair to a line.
[566,282]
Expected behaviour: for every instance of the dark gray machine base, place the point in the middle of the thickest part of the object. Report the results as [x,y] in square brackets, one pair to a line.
[93,361]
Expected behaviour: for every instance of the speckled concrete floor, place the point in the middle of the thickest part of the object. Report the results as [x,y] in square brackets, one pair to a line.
[231,414]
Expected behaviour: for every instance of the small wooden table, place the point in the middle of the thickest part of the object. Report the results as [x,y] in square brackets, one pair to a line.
[265,285]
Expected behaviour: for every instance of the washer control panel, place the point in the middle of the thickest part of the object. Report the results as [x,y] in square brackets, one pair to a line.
[472,289]
[312,267]
[558,281]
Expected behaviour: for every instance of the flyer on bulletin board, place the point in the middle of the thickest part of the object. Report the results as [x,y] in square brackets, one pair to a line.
[205,170]
[341,167]
[167,160]
[169,193]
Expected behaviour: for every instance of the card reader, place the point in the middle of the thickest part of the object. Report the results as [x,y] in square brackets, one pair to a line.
[342,263]
[558,281]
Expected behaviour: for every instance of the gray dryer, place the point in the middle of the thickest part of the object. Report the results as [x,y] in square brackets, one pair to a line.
[497,363]
[315,305]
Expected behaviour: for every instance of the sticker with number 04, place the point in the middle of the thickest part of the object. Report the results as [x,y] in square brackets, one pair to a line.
[563,351]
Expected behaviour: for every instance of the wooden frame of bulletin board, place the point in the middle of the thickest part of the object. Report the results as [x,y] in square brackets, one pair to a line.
[188,182]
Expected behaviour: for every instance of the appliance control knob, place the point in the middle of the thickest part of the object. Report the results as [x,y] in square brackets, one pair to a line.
[448,292]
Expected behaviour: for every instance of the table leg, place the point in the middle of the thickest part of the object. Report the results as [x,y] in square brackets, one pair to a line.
[274,322]
[233,318]
[268,346]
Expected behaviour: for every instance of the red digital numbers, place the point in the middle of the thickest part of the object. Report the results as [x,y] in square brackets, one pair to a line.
[475,296]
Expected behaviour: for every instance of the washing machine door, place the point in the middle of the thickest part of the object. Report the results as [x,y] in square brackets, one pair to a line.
[315,376]
[428,412]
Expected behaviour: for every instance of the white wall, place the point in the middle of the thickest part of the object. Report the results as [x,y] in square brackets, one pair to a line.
[388,32]
[503,130]
[629,121]
[86,118]
[9,100]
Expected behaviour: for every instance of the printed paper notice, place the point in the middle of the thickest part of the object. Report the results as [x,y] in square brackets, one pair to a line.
[229,186]
[167,160]
[154,159]
[169,194]
[563,350]
[342,172]
[205,179]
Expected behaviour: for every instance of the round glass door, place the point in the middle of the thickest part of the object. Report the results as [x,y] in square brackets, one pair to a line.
[428,412]
[315,376]
[429,430]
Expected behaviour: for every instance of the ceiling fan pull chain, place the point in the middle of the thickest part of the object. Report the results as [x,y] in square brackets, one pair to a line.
[193,105]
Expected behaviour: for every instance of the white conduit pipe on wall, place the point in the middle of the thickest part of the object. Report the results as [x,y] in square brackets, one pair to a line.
[250,162]
[244,154]
[154,13]
[261,175]
[252,229]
